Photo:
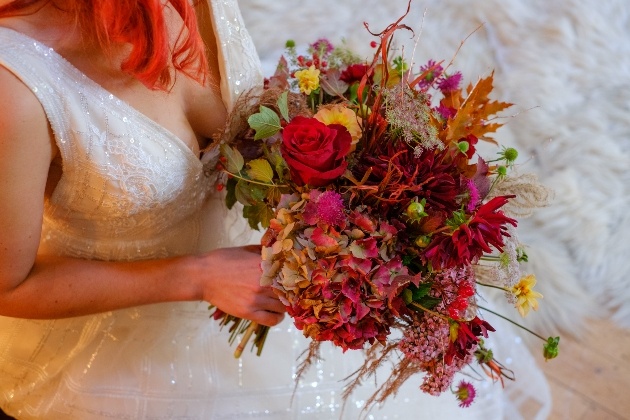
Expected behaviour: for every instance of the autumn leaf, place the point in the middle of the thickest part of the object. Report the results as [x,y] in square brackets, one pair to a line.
[273,195]
[258,214]
[280,79]
[260,170]
[234,159]
[332,83]
[474,112]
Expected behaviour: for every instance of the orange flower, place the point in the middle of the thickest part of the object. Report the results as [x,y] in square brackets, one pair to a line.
[339,114]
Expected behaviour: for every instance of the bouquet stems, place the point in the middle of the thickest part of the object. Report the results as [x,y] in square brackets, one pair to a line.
[248,333]
[242,326]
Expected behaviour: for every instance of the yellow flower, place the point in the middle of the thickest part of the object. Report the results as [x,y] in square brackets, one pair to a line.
[339,114]
[525,294]
[308,79]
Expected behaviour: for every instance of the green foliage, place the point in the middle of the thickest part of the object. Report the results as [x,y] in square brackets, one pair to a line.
[283,105]
[429,302]
[230,188]
[248,193]
[257,214]
[457,219]
[260,170]
[420,295]
[400,65]
[521,255]
[421,291]
[274,156]
[266,123]
[550,348]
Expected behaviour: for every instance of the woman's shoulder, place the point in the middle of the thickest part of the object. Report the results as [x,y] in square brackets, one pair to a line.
[20,110]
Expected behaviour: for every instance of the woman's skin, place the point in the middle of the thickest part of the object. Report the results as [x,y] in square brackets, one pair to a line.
[33,286]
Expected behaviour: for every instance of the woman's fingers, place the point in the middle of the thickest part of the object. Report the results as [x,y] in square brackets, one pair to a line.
[267,318]
[233,285]
[270,303]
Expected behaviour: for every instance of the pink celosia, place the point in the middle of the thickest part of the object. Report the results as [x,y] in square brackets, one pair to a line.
[326,208]
[473,195]
[322,46]
[465,393]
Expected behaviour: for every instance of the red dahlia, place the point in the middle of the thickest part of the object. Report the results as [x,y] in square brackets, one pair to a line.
[472,239]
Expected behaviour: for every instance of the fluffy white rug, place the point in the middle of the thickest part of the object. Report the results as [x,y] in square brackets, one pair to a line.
[566,66]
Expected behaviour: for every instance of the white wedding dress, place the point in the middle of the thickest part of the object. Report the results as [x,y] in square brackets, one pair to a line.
[132,190]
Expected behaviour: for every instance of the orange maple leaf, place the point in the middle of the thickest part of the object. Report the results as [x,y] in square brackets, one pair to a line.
[473,112]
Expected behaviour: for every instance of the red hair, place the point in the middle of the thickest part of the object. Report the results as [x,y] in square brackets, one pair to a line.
[140,23]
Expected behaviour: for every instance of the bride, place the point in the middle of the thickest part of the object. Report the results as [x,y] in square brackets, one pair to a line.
[113,241]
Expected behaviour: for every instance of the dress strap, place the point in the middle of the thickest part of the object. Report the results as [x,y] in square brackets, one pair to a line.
[40,69]
[238,60]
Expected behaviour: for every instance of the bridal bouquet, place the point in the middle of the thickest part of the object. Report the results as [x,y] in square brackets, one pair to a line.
[379,214]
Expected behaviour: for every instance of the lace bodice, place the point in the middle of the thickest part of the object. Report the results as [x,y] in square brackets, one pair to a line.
[130,188]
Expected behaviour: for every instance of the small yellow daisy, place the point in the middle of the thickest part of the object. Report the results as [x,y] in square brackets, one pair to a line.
[525,294]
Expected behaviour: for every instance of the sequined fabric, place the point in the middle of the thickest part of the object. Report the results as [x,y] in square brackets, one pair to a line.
[132,190]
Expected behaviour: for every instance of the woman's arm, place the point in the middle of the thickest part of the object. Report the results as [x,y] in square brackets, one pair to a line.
[58,287]
[33,286]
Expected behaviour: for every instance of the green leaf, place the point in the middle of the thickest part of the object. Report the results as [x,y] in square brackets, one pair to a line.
[429,302]
[230,197]
[235,161]
[258,214]
[353,93]
[406,296]
[249,194]
[283,105]
[277,162]
[266,123]
[421,291]
[260,170]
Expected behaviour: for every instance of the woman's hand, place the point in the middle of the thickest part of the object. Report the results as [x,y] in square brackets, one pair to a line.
[231,282]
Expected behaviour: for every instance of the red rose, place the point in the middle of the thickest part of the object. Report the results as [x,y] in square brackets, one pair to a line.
[314,151]
[354,73]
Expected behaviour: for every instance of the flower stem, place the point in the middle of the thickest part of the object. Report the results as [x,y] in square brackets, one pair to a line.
[513,322]
[239,176]
[493,286]
[417,305]
[248,333]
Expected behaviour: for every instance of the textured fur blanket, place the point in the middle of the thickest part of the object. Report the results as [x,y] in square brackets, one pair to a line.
[566,66]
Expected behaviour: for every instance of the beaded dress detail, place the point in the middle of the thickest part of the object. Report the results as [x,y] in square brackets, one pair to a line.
[132,190]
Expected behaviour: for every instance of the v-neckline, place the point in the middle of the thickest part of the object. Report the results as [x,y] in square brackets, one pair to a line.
[99,89]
